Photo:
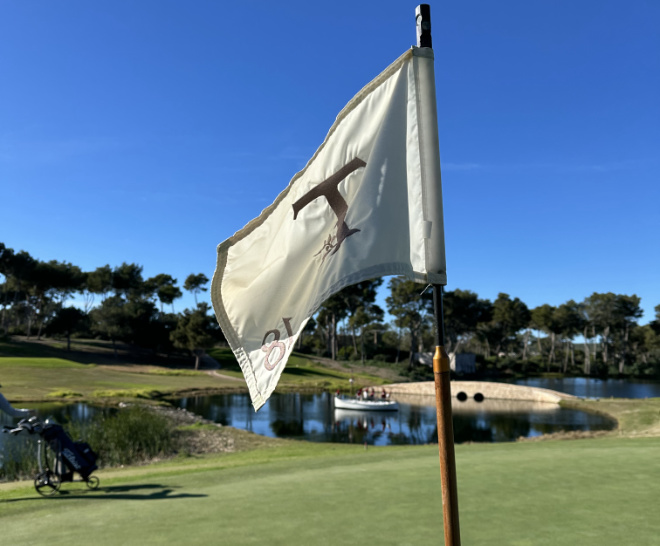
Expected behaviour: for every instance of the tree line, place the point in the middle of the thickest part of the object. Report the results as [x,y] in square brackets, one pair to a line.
[119,305]
[597,336]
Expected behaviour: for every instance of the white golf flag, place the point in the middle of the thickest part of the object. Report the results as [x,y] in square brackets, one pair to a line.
[360,209]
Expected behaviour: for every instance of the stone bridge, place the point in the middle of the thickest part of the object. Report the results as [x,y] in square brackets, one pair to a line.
[489,391]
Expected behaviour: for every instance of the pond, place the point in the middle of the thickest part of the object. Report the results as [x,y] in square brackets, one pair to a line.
[589,387]
[312,417]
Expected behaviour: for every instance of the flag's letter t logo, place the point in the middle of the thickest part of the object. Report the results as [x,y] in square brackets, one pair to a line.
[328,189]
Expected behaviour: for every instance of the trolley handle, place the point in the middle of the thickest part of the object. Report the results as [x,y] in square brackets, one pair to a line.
[8,430]
[31,426]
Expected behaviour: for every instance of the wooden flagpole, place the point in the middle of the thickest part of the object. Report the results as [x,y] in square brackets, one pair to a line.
[445,428]
[441,363]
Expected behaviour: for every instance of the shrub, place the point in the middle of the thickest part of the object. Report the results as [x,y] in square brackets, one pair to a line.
[64,394]
[18,458]
[120,437]
[347,353]
[147,394]
[132,435]
[418,373]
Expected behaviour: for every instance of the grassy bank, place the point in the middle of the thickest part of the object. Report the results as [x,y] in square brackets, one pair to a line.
[635,417]
[46,371]
[28,379]
[587,492]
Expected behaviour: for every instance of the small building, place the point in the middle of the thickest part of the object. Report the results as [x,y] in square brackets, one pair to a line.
[463,362]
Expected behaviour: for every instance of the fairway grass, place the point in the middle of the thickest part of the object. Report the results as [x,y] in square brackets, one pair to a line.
[32,373]
[635,417]
[40,379]
[581,492]
[37,362]
[301,371]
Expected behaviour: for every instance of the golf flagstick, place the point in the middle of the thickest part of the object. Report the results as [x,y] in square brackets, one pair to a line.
[430,155]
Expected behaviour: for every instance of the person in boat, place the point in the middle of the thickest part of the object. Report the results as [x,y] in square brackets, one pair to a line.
[372,394]
[383,395]
[359,393]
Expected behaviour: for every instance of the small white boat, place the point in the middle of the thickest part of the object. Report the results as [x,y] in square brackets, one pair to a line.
[368,405]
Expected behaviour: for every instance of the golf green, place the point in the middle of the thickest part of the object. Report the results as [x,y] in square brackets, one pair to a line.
[587,492]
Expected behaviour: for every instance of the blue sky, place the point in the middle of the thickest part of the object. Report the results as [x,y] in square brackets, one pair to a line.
[151,131]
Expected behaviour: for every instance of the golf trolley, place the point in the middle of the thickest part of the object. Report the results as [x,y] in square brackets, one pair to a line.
[58,456]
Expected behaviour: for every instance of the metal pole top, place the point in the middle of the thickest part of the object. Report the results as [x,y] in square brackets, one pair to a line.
[423,18]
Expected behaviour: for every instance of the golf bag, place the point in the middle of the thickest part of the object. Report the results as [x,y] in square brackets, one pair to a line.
[58,456]
[70,456]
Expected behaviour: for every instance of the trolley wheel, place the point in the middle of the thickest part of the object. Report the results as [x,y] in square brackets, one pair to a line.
[46,483]
[92,482]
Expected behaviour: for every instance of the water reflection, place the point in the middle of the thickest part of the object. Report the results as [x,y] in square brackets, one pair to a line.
[59,413]
[312,417]
[589,387]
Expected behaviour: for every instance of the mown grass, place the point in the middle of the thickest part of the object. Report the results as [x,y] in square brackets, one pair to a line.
[225,358]
[199,426]
[634,416]
[40,362]
[12,349]
[30,379]
[161,371]
[587,492]
[36,372]
[301,372]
